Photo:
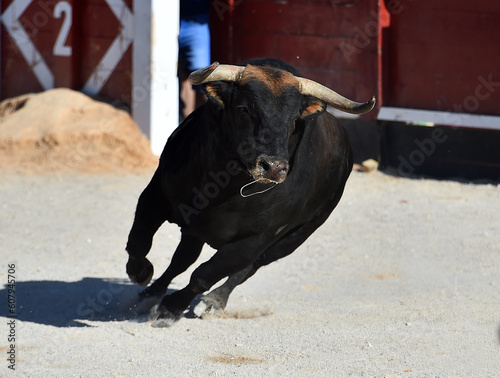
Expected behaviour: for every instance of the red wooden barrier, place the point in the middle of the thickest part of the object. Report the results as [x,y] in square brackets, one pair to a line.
[88,45]
[83,45]
[428,55]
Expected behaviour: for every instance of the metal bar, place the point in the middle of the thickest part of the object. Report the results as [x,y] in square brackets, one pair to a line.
[431,118]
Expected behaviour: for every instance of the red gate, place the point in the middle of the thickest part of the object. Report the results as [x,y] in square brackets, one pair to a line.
[83,45]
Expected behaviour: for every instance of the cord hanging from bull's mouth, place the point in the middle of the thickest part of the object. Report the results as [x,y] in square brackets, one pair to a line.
[259,181]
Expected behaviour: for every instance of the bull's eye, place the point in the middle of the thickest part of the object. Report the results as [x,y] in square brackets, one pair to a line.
[242,108]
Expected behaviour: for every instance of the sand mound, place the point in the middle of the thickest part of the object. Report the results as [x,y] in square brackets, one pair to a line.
[63,130]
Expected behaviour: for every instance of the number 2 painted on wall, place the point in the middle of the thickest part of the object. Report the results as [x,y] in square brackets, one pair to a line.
[60,48]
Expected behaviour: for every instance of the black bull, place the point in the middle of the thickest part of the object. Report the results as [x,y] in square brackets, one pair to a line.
[253,173]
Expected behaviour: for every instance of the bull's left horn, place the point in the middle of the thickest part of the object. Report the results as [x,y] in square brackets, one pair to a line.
[215,72]
[332,98]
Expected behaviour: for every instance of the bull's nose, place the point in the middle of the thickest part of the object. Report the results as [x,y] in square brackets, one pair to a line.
[273,169]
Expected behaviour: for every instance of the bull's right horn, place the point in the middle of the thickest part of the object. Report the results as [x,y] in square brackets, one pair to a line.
[215,72]
[332,98]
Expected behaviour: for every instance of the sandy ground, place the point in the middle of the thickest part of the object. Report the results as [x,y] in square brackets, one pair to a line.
[402,280]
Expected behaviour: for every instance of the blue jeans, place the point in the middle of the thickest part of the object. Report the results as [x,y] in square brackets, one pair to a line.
[194,44]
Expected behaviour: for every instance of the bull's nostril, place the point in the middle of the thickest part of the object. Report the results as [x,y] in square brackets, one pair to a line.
[264,165]
[273,167]
[270,169]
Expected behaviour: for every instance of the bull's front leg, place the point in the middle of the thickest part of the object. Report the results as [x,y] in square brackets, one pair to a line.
[228,260]
[149,216]
[186,253]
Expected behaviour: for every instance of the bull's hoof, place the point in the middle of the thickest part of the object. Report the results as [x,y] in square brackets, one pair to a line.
[140,271]
[208,305]
[161,317]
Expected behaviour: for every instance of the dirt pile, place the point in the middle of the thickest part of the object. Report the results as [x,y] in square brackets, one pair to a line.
[63,130]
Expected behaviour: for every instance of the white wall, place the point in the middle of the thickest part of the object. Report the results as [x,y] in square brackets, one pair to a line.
[155,98]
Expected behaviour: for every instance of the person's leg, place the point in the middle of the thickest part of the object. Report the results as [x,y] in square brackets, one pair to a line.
[194,45]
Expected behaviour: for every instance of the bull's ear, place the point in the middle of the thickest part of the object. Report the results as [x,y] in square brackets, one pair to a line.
[312,107]
[217,92]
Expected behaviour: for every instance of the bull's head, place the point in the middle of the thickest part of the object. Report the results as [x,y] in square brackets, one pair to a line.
[265,103]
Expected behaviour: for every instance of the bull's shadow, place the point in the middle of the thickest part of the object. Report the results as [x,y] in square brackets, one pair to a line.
[66,304]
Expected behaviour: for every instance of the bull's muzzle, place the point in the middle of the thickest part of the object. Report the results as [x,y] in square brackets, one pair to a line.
[269,170]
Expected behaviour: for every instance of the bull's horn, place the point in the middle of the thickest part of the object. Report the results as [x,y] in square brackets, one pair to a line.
[332,98]
[216,72]
[231,73]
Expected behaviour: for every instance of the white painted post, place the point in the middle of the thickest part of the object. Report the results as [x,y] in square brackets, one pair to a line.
[155,97]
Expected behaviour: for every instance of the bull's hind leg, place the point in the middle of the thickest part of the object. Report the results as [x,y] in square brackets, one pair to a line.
[227,261]
[149,216]
[217,298]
